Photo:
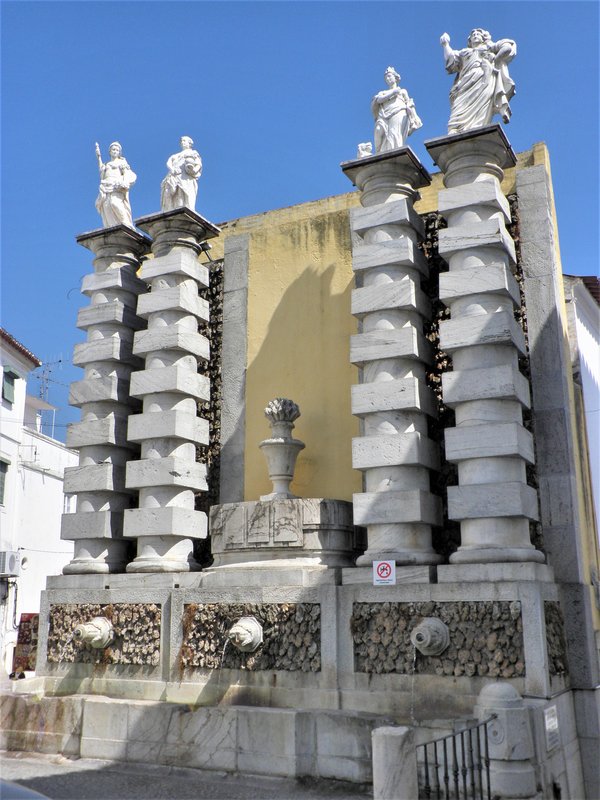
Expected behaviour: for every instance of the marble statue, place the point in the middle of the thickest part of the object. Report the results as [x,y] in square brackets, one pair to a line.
[180,187]
[394,113]
[116,178]
[364,150]
[482,87]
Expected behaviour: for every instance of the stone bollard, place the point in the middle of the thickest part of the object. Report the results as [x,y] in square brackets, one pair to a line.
[104,399]
[492,448]
[392,398]
[509,739]
[394,764]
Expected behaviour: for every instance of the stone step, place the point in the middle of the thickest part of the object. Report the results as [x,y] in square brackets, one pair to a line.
[170,521]
[171,337]
[382,344]
[491,440]
[500,328]
[168,424]
[183,298]
[504,382]
[405,394]
[490,233]
[407,449]
[385,508]
[170,379]
[393,253]
[491,279]
[482,500]
[166,472]
[402,294]
[397,212]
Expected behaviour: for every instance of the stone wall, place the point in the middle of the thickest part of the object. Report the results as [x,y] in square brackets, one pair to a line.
[555,639]
[291,636]
[486,638]
[136,627]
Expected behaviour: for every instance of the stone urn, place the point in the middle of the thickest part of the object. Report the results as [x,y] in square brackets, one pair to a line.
[281,450]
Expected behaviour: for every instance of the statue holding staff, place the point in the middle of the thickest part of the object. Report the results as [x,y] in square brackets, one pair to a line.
[116,178]
[394,113]
[180,187]
[482,87]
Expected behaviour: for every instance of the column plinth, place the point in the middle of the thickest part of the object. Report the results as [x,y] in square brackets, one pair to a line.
[168,476]
[392,399]
[103,397]
[489,444]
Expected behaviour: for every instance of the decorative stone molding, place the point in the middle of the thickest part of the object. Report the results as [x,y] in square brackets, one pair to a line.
[431,637]
[281,450]
[304,531]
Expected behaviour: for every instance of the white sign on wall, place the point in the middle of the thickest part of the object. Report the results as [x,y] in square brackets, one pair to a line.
[384,573]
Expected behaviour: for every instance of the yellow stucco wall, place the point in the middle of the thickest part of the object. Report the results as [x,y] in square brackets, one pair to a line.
[299,325]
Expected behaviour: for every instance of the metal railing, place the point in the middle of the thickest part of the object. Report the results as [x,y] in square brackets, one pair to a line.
[457,766]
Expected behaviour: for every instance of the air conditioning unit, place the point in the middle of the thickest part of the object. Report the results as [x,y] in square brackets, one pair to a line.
[10,563]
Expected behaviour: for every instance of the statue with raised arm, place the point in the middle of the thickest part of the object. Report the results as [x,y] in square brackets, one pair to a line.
[180,187]
[116,178]
[394,113]
[482,87]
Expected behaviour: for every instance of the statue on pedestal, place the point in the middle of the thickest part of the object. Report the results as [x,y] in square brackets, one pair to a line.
[394,113]
[116,178]
[482,87]
[180,187]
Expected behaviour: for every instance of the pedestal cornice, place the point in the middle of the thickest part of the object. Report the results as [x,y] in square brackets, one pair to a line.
[386,176]
[473,155]
[181,227]
[119,236]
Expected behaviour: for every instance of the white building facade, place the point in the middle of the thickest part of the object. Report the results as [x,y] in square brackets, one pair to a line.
[31,496]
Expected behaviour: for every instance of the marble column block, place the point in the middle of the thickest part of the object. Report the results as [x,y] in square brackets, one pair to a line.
[392,399]
[103,396]
[493,502]
[167,476]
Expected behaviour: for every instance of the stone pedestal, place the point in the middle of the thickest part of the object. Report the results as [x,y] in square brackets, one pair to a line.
[392,398]
[168,475]
[103,396]
[489,443]
[282,533]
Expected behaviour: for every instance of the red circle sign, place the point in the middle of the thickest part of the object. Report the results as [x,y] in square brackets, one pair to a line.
[384,570]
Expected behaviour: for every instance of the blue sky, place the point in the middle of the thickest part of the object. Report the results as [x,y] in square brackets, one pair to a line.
[275,96]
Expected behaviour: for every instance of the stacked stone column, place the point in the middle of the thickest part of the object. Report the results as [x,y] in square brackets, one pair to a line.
[168,475]
[493,502]
[392,399]
[103,396]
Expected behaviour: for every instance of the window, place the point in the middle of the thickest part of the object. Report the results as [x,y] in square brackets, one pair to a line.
[3,471]
[8,385]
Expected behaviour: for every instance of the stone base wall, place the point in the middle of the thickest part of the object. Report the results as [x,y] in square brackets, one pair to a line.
[330,638]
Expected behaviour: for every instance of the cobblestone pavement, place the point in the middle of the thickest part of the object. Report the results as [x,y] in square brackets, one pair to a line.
[61,778]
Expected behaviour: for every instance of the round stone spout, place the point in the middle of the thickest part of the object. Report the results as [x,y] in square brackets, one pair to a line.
[98,633]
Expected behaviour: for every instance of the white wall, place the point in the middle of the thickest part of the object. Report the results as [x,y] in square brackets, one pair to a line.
[33,503]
